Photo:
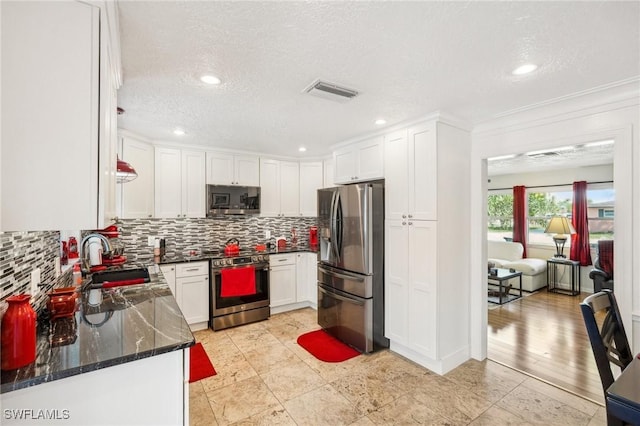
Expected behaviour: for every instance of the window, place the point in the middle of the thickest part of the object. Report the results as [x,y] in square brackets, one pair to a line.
[544,203]
[500,216]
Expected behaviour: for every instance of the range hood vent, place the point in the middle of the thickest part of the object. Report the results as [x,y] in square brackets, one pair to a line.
[330,91]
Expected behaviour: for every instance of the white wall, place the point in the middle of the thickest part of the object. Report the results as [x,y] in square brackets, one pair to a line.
[613,113]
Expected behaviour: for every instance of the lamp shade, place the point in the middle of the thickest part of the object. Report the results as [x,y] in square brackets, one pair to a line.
[559,225]
[125,172]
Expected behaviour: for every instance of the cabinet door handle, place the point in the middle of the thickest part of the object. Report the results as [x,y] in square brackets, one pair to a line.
[404,223]
[282,260]
[410,223]
[410,216]
[404,216]
[192,269]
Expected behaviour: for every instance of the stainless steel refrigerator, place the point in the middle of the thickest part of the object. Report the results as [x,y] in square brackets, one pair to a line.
[351,264]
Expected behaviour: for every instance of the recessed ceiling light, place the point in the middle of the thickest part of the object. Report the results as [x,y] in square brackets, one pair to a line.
[302,149]
[524,69]
[600,143]
[179,132]
[210,79]
[381,121]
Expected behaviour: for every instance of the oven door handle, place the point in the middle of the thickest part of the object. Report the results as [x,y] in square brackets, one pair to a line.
[339,275]
[339,297]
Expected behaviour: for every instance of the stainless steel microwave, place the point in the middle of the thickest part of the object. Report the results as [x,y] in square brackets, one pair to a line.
[226,200]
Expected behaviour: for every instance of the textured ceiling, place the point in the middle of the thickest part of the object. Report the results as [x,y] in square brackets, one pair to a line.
[407,59]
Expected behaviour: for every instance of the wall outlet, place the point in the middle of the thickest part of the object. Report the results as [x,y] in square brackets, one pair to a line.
[267,234]
[35,280]
[57,267]
[151,241]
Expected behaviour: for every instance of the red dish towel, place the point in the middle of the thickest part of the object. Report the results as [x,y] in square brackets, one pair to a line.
[238,282]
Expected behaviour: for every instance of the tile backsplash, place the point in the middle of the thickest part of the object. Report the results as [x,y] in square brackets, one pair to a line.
[21,253]
[184,234]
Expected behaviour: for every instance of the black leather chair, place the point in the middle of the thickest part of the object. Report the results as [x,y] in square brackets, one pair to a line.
[608,340]
[602,272]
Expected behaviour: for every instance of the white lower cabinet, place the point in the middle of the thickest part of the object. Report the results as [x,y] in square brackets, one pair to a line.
[282,279]
[410,288]
[306,270]
[189,283]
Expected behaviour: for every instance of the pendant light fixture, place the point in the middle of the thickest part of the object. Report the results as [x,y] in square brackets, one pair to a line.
[125,172]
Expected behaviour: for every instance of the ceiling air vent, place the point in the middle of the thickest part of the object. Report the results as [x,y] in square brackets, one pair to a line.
[330,91]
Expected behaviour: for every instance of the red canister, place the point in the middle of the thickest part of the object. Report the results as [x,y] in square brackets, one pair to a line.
[313,236]
[18,334]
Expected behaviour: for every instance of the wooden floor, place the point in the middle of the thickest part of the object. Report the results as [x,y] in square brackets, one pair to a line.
[544,335]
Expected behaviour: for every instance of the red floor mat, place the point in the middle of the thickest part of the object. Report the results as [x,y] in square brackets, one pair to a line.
[200,366]
[326,347]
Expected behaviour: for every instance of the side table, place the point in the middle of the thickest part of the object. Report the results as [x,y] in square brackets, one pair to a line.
[552,275]
[502,295]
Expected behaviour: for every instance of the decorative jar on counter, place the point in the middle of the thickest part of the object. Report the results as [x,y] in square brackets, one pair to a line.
[18,336]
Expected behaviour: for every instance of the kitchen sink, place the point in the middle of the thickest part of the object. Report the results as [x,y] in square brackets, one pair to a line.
[106,279]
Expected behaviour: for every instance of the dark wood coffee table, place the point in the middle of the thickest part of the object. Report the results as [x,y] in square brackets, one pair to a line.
[502,294]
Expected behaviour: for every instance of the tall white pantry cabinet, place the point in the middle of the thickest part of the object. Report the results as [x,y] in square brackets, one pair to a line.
[60,72]
[426,252]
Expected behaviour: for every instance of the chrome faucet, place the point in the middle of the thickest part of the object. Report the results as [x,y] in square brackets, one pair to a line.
[82,252]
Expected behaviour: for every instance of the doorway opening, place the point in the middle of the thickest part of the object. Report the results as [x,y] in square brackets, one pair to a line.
[542,334]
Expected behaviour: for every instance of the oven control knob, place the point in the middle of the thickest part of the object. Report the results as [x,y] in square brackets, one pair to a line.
[260,258]
[216,263]
[254,258]
[230,262]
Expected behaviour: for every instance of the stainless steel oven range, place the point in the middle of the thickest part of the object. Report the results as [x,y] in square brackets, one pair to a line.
[239,290]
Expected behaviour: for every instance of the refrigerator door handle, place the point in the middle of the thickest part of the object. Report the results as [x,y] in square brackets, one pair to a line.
[339,275]
[339,219]
[334,225]
[335,295]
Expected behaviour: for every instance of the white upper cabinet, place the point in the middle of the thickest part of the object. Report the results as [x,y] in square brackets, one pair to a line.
[193,186]
[137,195]
[232,169]
[179,183]
[279,188]
[310,182]
[58,129]
[360,161]
[411,173]
[329,174]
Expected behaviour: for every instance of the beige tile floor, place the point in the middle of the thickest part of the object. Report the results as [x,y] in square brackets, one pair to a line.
[265,378]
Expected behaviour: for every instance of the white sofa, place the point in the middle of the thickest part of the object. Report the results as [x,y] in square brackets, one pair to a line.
[509,255]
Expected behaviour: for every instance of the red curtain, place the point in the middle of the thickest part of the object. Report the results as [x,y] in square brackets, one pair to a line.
[520,217]
[580,249]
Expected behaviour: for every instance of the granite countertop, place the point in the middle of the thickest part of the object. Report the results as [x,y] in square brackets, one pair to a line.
[130,323]
[203,255]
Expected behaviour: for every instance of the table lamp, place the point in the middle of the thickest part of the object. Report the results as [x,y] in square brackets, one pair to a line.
[560,226]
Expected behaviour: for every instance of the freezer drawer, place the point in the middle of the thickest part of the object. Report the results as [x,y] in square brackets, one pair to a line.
[348,282]
[346,317]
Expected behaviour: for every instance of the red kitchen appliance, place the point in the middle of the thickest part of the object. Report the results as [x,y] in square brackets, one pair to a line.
[62,302]
[18,335]
[313,236]
[232,247]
